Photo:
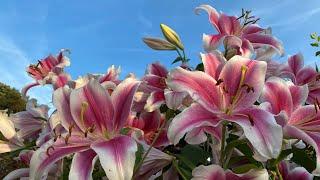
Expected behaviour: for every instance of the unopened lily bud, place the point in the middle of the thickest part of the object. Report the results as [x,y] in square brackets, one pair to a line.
[159,44]
[171,36]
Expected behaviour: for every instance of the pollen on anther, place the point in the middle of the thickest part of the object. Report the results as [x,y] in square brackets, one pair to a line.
[251,120]
[219,82]
[90,129]
[66,139]
[70,128]
[51,147]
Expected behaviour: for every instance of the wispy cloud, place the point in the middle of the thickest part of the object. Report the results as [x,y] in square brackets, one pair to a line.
[13,61]
[271,8]
[299,18]
[145,21]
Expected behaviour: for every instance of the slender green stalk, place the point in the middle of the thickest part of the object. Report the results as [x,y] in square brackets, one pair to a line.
[149,149]
[223,140]
[185,161]
[179,53]
[184,55]
[175,164]
[229,149]
[278,173]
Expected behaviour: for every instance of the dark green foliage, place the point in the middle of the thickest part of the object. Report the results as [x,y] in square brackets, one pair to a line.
[305,157]
[200,67]
[11,99]
[314,36]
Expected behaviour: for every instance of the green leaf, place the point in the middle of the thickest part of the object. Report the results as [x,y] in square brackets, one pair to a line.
[317,53]
[304,158]
[313,35]
[318,39]
[187,173]
[125,130]
[195,154]
[315,44]
[236,159]
[186,161]
[200,67]
[177,60]
[181,172]
[139,154]
[244,168]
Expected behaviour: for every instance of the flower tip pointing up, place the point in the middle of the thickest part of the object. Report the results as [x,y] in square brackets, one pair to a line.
[171,36]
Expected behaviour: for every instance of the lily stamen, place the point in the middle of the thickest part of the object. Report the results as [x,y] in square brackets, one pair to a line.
[237,95]
[84,107]
[249,88]
[89,130]
[250,119]
[162,82]
[219,82]
[66,139]
[70,129]
[225,89]
[51,147]
[55,135]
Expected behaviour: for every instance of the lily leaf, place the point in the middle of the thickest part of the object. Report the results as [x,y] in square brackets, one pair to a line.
[313,35]
[304,157]
[315,44]
[177,60]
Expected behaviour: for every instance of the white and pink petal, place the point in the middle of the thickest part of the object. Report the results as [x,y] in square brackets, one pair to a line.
[117,156]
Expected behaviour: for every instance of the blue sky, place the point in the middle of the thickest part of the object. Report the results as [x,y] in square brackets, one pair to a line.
[102,33]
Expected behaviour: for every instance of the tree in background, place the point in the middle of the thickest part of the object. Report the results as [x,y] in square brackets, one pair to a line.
[11,99]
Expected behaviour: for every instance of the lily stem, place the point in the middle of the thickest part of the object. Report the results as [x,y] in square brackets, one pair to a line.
[149,149]
[278,173]
[184,55]
[175,164]
[223,139]
[180,55]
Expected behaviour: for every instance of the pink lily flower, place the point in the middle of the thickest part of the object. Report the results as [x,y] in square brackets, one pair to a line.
[47,65]
[8,130]
[155,85]
[42,71]
[51,129]
[154,162]
[60,79]
[297,173]
[212,172]
[149,123]
[286,101]
[94,120]
[109,80]
[155,80]
[111,75]
[300,75]
[245,38]
[25,157]
[30,122]
[225,91]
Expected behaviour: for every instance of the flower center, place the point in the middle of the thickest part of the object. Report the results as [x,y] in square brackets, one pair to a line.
[162,82]
[239,93]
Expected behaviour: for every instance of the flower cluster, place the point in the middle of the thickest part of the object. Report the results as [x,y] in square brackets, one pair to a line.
[238,115]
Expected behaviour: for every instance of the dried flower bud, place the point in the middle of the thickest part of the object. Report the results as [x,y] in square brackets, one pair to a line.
[158,44]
